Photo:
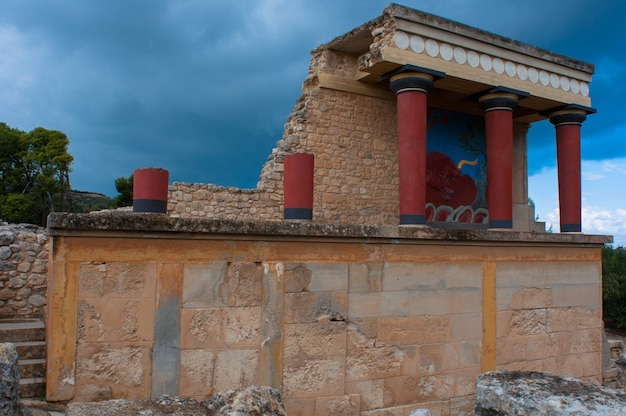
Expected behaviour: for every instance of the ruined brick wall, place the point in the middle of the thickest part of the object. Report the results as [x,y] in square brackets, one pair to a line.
[353,138]
[350,321]
[23,270]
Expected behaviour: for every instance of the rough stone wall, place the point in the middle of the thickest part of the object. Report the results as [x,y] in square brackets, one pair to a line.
[542,323]
[353,138]
[342,326]
[23,270]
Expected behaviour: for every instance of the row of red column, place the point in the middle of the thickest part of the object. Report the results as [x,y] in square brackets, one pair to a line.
[411,87]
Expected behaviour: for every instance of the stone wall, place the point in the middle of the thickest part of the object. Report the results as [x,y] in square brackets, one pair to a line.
[354,140]
[344,320]
[23,270]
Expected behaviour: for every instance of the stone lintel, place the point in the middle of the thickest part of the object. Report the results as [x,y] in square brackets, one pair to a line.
[146,225]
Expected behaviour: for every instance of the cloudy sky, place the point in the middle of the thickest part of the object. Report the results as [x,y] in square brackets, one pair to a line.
[203,87]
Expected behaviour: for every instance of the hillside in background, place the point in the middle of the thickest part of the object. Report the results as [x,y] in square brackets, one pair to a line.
[90,201]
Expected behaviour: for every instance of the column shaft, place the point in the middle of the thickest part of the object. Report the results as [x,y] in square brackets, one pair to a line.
[412,156]
[499,130]
[411,90]
[567,122]
[498,106]
[568,163]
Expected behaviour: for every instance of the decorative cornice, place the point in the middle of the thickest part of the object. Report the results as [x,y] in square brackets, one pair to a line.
[478,60]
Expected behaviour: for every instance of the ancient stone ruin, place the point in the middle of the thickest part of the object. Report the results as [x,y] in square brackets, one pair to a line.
[371,272]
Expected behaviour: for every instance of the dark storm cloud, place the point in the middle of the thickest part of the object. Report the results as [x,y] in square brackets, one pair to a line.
[203,88]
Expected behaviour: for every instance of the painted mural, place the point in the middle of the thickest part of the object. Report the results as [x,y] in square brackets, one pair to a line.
[456,168]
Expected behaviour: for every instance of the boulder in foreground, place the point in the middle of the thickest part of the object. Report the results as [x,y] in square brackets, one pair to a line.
[523,393]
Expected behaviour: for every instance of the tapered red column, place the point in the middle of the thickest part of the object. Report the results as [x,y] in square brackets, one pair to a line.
[498,108]
[567,124]
[411,91]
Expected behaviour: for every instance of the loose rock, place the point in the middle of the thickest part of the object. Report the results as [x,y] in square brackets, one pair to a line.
[532,393]
[10,383]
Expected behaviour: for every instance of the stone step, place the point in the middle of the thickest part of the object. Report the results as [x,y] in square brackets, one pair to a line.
[32,368]
[21,330]
[32,387]
[29,350]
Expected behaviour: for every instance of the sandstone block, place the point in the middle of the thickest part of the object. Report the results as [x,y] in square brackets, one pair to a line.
[300,406]
[117,279]
[346,405]
[219,328]
[310,307]
[315,340]
[365,277]
[125,369]
[235,369]
[372,363]
[313,377]
[197,368]
[204,285]
[371,392]
[413,330]
[245,284]
[400,276]
[114,320]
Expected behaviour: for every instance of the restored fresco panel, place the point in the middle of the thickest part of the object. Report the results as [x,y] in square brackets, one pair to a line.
[456,168]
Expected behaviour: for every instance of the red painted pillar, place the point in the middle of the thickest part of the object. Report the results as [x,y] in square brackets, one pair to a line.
[411,90]
[150,190]
[298,186]
[498,106]
[567,124]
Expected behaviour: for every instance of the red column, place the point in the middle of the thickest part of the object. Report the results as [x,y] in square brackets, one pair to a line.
[498,108]
[150,190]
[298,186]
[411,90]
[567,124]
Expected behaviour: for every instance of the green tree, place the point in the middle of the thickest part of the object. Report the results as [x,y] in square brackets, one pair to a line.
[614,285]
[125,187]
[34,174]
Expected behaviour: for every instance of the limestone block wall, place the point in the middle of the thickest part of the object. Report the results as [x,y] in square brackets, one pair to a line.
[23,270]
[365,321]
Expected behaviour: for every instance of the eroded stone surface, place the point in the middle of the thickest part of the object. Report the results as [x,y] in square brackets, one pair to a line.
[10,383]
[252,401]
[533,393]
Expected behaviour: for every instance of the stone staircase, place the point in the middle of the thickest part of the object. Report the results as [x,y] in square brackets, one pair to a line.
[29,337]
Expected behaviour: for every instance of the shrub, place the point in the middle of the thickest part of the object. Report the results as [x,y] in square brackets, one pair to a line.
[614,286]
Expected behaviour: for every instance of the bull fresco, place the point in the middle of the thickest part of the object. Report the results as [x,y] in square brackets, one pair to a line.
[456,168]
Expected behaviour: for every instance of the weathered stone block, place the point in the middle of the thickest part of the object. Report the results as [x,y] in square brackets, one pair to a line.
[245,284]
[346,405]
[316,307]
[467,326]
[235,369]
[299,406]
[411,277]
[315,340]
[328,277]
[370,391]
[117,279]
[372,363]
[569,295]
[197,368]
[204,285]
[313,377]
[574,318]
[125,369]
[365,277]
[364,305]
[413,330]
[114,320]
[219,328]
